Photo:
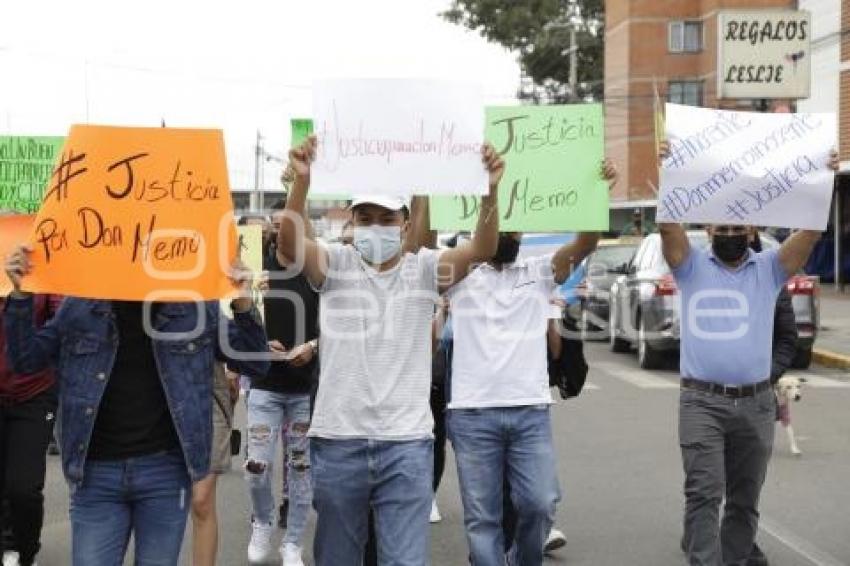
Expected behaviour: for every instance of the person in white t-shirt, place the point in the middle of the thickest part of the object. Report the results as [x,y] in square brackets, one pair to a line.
[371,433]
[498,409]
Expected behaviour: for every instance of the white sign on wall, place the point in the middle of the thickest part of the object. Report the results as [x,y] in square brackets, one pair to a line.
[747,168]
[764,54]
[398,137]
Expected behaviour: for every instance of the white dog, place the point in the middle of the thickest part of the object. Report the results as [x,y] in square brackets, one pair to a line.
[788,389]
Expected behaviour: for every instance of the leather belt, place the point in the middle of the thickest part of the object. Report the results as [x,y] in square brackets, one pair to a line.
[734,391]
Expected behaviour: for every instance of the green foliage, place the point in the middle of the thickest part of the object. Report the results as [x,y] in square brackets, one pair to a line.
[521,25]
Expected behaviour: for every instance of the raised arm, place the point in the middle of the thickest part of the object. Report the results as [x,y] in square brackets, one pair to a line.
[245,332]
[419,235]
[674,240]
[30,350]
[795,251]
[569,256]
[674,244]
[455,262]
[287,178]
[294,239]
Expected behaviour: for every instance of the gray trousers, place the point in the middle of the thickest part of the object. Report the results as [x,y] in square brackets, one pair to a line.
[726,444]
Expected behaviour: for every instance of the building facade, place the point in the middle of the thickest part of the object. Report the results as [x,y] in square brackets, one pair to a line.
[844,84]
[668,46]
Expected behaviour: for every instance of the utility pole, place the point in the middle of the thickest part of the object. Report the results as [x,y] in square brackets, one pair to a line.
[258,162]
[573,63]
[837,229]
[571,20]
[86,86]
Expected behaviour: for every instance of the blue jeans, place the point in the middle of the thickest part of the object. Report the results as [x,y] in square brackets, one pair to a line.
[148,496]
[269,414]
[492,443]
[392,478]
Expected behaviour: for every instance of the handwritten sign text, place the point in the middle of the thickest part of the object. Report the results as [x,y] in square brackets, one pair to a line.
[747,168]
[551,182]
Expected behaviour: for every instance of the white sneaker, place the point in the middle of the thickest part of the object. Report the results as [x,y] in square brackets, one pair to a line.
[10,558]
[555,540]
[435,513]
[260,547]
[291,554]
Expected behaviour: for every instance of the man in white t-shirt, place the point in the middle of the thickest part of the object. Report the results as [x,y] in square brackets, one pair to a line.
[498,417]
[371,434]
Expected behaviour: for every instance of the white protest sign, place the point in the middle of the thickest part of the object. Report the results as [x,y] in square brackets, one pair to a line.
[398,137]
[747,168]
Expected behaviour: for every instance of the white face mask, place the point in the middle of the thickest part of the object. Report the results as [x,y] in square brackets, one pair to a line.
[377,244]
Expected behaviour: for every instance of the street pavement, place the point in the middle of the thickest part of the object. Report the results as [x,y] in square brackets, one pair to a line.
[834,332]
[621,478]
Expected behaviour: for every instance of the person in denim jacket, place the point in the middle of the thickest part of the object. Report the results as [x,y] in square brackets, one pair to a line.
[135,399]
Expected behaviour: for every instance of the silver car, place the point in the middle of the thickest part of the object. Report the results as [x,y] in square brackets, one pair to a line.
[645,305]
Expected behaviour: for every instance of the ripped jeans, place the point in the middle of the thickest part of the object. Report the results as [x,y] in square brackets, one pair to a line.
[268,414]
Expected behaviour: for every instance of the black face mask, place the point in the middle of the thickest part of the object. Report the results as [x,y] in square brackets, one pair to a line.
[729,249]
[507,250]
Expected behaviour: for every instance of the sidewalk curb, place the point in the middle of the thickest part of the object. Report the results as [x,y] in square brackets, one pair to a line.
[830,359]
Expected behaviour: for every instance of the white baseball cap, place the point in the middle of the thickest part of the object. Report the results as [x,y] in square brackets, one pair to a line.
[388,202]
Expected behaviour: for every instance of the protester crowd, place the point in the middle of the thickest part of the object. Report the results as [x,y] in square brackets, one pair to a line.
[378,348]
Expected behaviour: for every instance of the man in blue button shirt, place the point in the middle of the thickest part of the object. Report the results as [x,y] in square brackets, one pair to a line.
[727,406]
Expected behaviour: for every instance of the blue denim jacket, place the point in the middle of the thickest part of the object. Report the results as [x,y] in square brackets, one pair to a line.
[81,342]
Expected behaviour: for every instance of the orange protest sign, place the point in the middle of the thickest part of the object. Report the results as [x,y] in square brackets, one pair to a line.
[136,214]
[14,230]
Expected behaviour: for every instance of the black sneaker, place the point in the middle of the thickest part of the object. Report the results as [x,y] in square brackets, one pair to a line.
[284,513]
[757,557]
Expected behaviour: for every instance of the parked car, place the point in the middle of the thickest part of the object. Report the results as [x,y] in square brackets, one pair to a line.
[645,305]
[600,269]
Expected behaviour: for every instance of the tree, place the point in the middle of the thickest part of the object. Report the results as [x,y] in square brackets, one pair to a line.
[539,30]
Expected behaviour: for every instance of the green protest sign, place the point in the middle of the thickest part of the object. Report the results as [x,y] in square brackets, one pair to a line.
[26,165]
[301,128]
[552,178]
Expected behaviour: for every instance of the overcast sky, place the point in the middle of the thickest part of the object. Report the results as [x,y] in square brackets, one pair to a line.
[237,66]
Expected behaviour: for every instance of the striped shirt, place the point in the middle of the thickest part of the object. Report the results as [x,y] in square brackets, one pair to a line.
[375,348]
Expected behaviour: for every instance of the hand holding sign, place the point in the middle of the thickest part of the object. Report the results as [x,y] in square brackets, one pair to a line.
[608,172]
[14,229]
[243,279]
[301,159]
[663,151]
[18,265]
[495,166]
[834,161]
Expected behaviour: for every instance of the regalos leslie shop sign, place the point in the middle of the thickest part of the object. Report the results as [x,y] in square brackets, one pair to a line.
[764,54]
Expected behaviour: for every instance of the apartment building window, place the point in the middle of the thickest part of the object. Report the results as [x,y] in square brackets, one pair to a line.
[684,37]
[685,92]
